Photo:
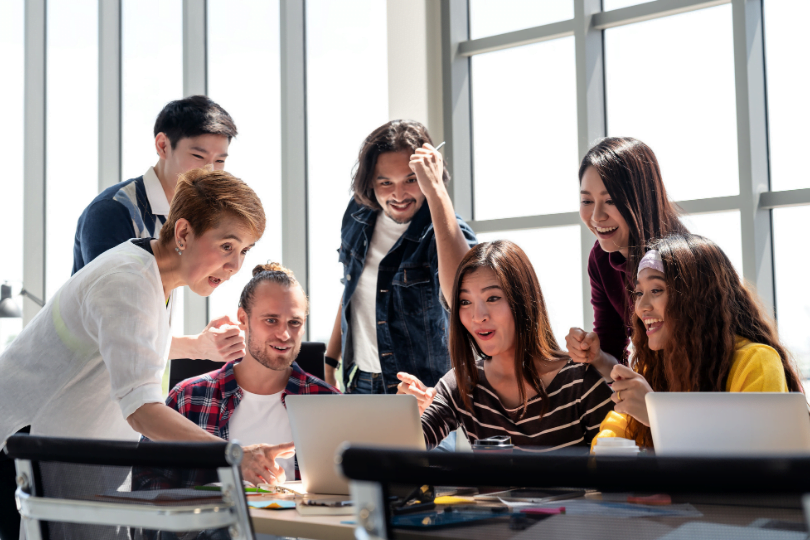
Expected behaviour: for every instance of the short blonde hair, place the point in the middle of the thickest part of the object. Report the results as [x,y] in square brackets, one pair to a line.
[203,197]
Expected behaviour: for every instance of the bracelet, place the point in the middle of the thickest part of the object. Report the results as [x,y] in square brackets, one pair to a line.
[331,361]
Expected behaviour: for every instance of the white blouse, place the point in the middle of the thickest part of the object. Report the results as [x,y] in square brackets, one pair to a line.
[93,355]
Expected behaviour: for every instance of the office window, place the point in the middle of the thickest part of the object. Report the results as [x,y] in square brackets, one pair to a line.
[555,254]
[152,75]
[347,98]
[11,140]
[723,228]
[71,162]
[244,77]
[790,276]
[670,83]
[786,46]
[525,130]
[488,18]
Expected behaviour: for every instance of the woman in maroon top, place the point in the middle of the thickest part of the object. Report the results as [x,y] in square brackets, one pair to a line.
[624,203]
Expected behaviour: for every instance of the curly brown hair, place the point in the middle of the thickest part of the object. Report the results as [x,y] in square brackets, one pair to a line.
[533,336]
[708,307]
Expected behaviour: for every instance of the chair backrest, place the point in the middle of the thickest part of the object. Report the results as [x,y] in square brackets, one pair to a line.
[310,359]
[76,488]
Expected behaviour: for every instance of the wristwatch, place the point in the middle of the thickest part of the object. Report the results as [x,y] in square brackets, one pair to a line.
[331,361]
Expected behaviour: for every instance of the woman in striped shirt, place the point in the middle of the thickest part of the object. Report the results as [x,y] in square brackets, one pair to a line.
[509,376]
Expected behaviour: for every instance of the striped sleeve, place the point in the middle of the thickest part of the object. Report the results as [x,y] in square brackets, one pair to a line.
[595,403]
[440,418]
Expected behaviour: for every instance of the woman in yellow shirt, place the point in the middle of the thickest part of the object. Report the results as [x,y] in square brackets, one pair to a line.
[697,328]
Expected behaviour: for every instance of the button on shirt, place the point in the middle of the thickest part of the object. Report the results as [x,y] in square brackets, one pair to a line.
[363,315]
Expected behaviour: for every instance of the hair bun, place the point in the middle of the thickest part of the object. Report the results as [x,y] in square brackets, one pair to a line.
[272,267]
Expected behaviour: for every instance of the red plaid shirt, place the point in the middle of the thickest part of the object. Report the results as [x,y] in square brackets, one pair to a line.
[210,401]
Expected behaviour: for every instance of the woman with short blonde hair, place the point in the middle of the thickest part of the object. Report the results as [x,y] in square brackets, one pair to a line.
[90,364]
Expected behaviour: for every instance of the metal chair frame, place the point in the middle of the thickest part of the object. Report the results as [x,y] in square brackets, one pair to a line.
[232,513]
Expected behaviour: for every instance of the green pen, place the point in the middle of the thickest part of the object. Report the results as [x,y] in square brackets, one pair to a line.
[217,488]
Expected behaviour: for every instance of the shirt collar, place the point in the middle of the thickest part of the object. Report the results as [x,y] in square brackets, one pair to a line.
[155,194]
[226,380]
[299,375]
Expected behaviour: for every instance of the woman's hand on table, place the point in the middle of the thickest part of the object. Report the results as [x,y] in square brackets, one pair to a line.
[584,348]
[259,463]
[629,391]
[413,386]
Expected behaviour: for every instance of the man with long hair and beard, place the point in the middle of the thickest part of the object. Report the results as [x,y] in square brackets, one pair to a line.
[245,399]
[696,328]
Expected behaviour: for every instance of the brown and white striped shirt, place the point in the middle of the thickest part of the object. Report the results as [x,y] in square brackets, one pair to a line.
[578,401]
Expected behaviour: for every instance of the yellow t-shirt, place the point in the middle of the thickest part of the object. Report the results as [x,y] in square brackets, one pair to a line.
[756,368]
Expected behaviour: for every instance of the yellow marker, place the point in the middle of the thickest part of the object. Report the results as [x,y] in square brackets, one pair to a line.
[454,500]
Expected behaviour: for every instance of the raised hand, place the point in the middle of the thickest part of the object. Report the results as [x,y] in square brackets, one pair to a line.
[629,393]
[427,163]
[413,386]
[223,340]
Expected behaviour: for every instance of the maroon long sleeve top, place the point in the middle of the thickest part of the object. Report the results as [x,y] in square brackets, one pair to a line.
[611,301]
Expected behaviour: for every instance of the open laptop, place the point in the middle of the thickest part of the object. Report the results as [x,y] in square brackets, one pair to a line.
[322,423]
[728,423]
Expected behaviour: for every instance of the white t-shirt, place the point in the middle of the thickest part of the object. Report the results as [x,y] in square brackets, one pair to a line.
[93,355]
[364,300]
[262,419]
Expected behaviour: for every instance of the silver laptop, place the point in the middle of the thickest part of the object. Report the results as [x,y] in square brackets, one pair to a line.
[322,423]
[728,423]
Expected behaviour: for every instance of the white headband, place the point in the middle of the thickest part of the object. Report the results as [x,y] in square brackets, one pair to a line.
[651,259]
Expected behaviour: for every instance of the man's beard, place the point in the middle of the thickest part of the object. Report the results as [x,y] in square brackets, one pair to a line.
[259,352]
[399,221]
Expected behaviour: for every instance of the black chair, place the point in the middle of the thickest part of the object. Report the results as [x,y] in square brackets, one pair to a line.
[80,488]
[9,517]
[310,359]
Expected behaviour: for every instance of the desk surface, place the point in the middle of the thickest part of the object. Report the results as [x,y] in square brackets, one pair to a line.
[291,523]
[742,514]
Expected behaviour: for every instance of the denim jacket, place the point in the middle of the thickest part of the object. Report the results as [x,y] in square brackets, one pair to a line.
[412,322]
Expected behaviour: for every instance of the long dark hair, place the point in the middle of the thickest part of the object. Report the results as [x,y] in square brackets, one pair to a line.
[393,136]
[632,177]
[708,306]
[533,336]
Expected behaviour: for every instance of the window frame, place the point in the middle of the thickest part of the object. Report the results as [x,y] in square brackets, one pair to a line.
[587,27]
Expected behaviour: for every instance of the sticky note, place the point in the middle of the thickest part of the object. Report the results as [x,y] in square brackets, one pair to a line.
[272,504]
